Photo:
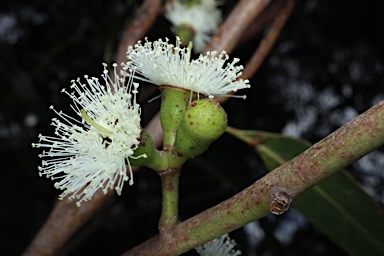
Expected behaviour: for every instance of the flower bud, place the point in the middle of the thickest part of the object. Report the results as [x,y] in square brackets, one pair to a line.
[203,122]
[185,32]
[173,104]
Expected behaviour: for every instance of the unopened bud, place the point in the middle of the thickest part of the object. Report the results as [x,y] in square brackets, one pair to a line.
[203,122]
[173,104]
[185,32]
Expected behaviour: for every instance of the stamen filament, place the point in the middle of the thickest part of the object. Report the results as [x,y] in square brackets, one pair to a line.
[188,57]
[93,123]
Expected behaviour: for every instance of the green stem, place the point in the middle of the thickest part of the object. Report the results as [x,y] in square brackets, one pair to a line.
[357,138]
[158,161]
[170,191]
[154,159]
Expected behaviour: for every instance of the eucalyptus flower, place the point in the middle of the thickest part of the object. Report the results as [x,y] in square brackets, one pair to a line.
[222,246]
[164,64]
[92,152]
[200,17]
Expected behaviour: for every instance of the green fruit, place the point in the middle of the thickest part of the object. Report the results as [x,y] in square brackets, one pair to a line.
[203,122]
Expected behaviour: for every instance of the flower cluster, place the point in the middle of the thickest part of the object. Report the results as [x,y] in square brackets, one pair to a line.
[93,153]
[162,63]
[222,246]
[202,18]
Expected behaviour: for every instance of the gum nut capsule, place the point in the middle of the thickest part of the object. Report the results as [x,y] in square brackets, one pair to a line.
[203,122]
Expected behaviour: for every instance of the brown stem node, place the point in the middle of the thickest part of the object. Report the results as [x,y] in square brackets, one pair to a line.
[168,172]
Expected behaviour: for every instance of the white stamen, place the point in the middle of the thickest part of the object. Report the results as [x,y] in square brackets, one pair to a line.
[222,246]
[91,155]
[162,63]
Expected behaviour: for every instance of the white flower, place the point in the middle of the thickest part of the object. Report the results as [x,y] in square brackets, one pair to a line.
[203,18]
[162,63]
[222,246]
[93,153]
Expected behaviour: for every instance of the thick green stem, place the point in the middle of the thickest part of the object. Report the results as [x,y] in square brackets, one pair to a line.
[158,161]
[275,190]
[170,191]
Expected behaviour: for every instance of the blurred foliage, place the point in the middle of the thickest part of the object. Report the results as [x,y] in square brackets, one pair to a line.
[328,48]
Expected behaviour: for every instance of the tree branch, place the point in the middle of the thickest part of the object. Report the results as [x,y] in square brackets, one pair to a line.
[274,192]
[137,29]
[268,41]
[235,25]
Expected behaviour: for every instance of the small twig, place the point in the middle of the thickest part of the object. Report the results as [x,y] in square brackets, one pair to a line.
[275,190]
[236,23]
[268,41]
[138,28]
[266,17]
[170,200]
[62,223]
[265,45]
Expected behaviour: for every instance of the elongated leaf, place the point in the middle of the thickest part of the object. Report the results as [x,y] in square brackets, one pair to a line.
[337,206]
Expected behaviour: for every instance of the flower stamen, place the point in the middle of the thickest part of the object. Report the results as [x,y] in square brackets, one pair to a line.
[162,63]
[93,123]
[93,153]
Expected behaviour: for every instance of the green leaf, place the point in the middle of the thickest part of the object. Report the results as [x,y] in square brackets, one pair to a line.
[338,206]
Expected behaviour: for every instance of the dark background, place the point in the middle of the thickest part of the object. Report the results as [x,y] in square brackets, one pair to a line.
[325,69]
